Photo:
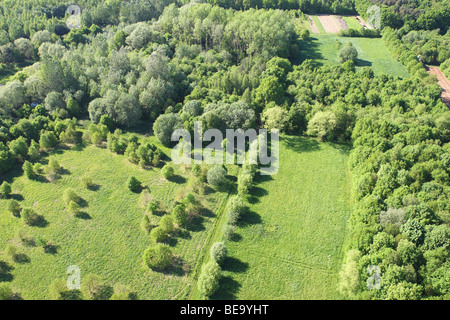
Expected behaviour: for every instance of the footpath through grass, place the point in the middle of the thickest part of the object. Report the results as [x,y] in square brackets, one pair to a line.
[289,245]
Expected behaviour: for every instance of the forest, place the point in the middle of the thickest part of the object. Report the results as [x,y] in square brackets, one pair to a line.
[137,70]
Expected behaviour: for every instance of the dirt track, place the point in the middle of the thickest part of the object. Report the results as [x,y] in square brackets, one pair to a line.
[443,82]
[330,23]
[363,23]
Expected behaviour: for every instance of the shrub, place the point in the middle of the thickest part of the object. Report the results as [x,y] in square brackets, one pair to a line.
[152,207]
[228,232]
[5,189]
[58,290]
[133,184]
[14,208]
[218,252]
[159,234]
[12,251]
[70,195]
[48,140]
[73,208]
[158,256]
[29,216]
[179,214]
[121,292]
[167,171]
[348,53]
[166,223]
[94,289]
[146,224]
[235,209]
[87,182]
[208,281]
[217,177]
[245,181]
[52,168]
[5,292]
[28,170]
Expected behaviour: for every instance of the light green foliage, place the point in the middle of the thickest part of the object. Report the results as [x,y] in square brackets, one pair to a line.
[218,252]
[208,281]
[158,256]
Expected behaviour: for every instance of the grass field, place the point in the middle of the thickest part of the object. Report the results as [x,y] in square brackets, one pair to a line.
[289,245]
[351,22]
[372,52]
[109,241]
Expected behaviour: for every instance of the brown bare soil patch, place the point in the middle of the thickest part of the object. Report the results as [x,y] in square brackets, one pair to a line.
[443,82]
[330,23]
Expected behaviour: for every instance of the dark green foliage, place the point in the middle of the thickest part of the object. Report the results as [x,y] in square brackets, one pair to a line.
[167,171]
[93,288]
[133,184]
[28,170]
[14,208]
[5,189]
[29,216]
[179,214]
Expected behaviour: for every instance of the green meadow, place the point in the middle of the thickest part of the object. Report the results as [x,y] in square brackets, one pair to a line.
[290,243]
[108,240]
[372,52]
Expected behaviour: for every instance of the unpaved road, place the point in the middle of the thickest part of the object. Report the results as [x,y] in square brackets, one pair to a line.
[443,82]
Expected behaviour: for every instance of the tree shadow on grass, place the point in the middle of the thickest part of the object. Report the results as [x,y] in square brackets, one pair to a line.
[308,49]
[208,190]
[228,287]
[235,237]
[249,218]
[21,258]
[40,222]
[178,267]
[183,234]
[94,187]
[83,203]
[342,148]
[177,179]
[258,192]
[172,241]
[83,215]
[205,212]
[363,63]
[5,272]
[17,197]
[300,144]
[195,224]
[234,265]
